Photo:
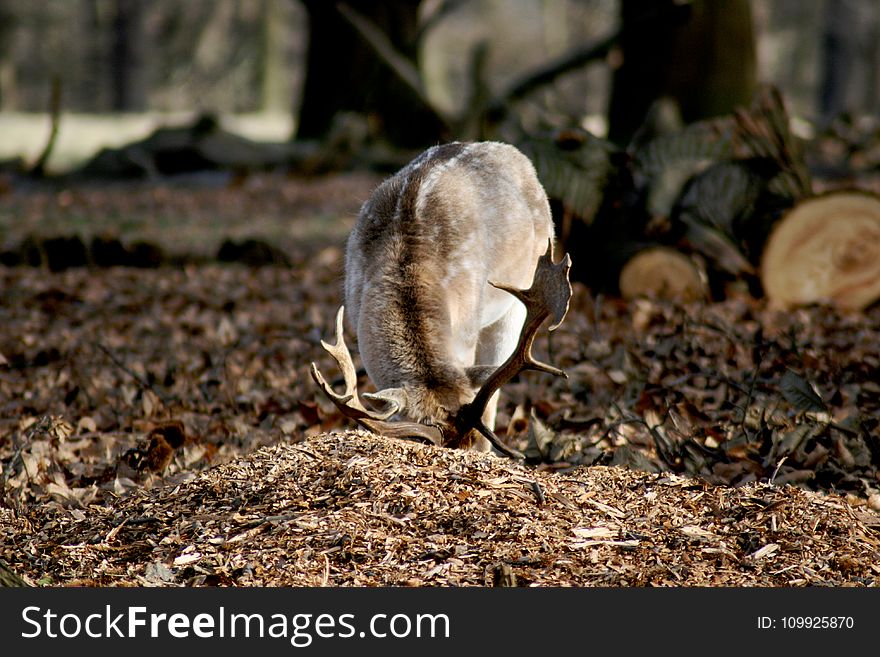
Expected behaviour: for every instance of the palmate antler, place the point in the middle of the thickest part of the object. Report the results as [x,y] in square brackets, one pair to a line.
[548,296]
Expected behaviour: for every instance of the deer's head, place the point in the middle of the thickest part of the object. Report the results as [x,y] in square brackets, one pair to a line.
[548,296]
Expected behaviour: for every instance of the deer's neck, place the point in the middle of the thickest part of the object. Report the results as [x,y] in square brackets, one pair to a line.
[410,347]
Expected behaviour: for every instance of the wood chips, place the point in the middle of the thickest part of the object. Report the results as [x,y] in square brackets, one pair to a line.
[355,509]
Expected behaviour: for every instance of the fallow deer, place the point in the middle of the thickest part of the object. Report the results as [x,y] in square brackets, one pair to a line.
[434,274]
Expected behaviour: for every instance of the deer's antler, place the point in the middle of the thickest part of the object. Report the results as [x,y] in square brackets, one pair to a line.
[548,296]
[351,406]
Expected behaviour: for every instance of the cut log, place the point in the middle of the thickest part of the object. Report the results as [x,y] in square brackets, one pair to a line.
[662,273]
[826,249]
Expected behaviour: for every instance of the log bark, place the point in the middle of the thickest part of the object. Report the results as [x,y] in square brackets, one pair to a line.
[826,249]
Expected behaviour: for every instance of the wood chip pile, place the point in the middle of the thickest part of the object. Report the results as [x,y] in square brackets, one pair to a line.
[355,509]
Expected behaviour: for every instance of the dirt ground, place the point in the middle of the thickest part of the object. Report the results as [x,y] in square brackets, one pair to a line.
[159,426]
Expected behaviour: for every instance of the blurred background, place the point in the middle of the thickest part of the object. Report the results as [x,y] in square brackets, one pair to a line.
[692,125]
[281,69]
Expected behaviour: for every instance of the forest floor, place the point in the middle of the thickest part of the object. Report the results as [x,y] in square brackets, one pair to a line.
[159,426]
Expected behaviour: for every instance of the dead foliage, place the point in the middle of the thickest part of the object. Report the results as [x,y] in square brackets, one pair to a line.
[160,426]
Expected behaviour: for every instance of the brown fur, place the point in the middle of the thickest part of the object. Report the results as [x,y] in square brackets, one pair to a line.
[418,265]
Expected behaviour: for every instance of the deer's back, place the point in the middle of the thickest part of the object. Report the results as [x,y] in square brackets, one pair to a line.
[425,246]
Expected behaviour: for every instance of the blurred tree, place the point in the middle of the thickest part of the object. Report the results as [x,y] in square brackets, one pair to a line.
[344,74]
[273,69]
[94,84]
[850,58]
[128,57]
[7,63]
[701,54]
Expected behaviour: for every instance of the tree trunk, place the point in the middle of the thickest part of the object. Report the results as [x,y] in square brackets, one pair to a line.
[128,57]
[8,21]
[702,55]
[663,273]
[850,58]
[274,87]
[345,75]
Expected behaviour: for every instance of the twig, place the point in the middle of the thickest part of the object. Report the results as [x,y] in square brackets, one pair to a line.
[760,353]
[776,470]
[720,378]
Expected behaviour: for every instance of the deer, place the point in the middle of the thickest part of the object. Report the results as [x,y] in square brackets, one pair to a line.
[448,276]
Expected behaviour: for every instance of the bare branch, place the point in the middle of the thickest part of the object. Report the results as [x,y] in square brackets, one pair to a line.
[143,383]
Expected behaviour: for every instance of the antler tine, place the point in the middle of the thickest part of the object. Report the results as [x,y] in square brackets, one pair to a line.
[548,296]
[350,404]
[347,402]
